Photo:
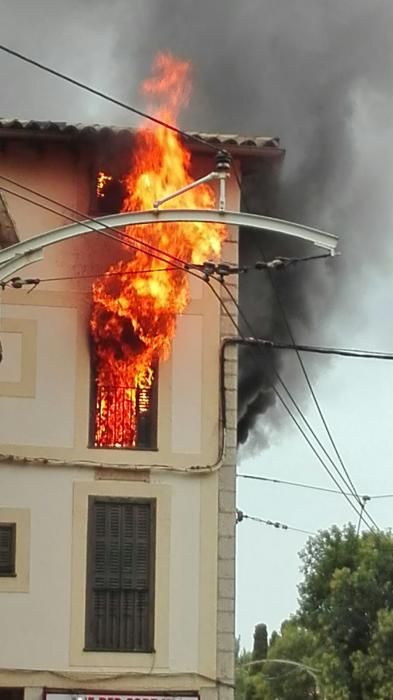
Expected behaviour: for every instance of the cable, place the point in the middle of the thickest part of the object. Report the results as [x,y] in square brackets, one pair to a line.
[277,525]
[107,274]
[105,231]
[108,98]
[343,352]
[293,483]
[349,480]
[126,237]
[287,408]
[312,487]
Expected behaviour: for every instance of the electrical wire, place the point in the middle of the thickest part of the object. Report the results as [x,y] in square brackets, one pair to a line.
[106,274]
[343,352]
[108,98]
[276,524]
[287,408]
[85,218]
[105,232]
[312,487]
[348,480]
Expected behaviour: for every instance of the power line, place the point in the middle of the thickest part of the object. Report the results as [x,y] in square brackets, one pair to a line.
[105,231]
[125,237]
[287,408]
[279,526]
[108,98]
[131,273]
[319,349]
[348,481]
[311,487]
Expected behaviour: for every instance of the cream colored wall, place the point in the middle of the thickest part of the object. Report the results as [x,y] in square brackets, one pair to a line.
[52,423]
[45,624]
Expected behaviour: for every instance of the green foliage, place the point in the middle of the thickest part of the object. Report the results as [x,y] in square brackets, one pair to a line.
[347,588]
[276,679]
[343,627]
[260,647]
[294,643]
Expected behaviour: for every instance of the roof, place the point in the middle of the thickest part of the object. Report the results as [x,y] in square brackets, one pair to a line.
[244,145]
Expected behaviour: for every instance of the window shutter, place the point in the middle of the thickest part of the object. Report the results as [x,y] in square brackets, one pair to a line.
[7,549]
[136,546]
[120,600]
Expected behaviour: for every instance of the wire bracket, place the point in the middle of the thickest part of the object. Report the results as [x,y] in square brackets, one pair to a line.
[223,164]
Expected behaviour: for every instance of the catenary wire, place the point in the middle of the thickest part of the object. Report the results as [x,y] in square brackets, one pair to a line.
[348,481]
[106,232]
[108,98]
[310,487]
[127,237]
[276,524]
[107,274]
[341,352]
[287,408]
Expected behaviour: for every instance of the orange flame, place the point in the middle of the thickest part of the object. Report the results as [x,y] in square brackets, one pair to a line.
[102,181]
[134,312]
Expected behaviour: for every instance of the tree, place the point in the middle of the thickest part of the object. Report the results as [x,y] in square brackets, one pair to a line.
[260,647]
[346,600]
[294,643]
[374,670]
[242,659]
[278,680]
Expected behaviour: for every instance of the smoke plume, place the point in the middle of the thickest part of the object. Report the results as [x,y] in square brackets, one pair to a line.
[316,73]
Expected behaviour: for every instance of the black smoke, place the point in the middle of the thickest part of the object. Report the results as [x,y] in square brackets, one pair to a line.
[316,73]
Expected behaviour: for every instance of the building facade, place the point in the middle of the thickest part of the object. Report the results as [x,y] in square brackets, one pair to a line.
[117,566]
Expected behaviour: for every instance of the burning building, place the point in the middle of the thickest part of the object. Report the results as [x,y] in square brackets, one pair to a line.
[118,509]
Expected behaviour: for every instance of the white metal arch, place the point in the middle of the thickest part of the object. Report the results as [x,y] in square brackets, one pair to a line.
[21,254]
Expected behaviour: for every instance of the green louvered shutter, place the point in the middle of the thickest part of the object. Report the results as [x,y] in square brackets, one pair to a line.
[120,595]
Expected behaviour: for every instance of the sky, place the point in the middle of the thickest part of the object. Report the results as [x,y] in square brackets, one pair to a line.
[316,73]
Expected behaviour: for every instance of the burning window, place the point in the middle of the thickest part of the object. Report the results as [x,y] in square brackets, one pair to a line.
[109,194]
[125,416]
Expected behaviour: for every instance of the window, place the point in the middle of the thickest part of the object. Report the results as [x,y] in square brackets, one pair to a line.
[120,575]
[7,549]
[125,417]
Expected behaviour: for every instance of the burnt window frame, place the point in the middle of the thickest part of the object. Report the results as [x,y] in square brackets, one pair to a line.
[9,572]
[153,445]
[90,646]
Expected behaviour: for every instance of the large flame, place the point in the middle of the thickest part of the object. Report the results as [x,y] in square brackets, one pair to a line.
[134,310]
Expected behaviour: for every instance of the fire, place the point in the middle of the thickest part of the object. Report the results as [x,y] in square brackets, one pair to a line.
[102,181]
[134,310]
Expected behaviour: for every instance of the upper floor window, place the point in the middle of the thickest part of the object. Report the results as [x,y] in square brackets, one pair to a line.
[120,575]
[7,549]
[125,416]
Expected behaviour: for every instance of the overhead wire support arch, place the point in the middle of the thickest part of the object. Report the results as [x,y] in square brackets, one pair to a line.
[18,256]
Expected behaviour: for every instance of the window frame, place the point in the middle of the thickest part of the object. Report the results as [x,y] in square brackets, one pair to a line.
[153,447]
[12,527]
[152,502]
